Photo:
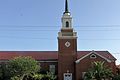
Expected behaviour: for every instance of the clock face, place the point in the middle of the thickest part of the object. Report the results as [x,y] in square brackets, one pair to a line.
[67,44]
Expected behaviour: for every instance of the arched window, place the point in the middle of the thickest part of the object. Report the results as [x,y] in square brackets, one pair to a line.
[67,24]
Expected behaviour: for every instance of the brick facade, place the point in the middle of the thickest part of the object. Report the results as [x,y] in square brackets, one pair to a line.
[67,59]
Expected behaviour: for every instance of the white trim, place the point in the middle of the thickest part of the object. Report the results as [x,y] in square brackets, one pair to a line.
[103,57]
[60,36]
[64,28]
[93,56]
[67,44]
[77,61]
[52,68]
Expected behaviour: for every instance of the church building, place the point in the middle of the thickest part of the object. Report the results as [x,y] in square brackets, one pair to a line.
[67,63]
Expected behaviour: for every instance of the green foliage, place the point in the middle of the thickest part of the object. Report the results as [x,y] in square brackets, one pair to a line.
[37,76]
[98,71]
[89,75]
[15,78]
[23,66]
[28,77]
[49,76]
[116,77]
[4,73]
[1,73]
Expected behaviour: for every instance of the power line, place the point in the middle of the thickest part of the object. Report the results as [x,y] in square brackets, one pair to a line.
[60,26]
[18,37]
[22,37]
[57,30]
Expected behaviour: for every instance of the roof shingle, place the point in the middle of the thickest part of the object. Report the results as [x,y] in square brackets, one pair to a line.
[47,55]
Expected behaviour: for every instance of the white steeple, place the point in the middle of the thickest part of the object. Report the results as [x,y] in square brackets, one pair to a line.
[66,18]
[67,30]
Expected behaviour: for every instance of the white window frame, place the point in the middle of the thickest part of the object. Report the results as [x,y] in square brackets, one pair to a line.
[91,56]
[52,68]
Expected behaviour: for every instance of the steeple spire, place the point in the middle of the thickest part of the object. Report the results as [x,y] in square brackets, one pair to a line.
[66,7]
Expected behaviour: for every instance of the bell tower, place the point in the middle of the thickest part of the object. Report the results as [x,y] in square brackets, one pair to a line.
[66,18]
[67,47]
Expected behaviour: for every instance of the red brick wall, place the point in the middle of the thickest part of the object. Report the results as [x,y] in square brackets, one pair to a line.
[62,49]
[85,64]
[66,64]
[66,57]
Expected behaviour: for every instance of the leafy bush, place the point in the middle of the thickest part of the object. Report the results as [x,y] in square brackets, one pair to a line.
[49,76]
[116,77]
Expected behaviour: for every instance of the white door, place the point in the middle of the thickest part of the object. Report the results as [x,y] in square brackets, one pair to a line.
[67,76]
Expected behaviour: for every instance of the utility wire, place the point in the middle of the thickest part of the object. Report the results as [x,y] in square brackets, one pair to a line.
[60,26]
[19,37]
[58,29]
[77,29]
[17,28]
[22,37]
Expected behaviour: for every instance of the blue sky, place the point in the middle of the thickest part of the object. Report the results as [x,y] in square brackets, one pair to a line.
[34,24]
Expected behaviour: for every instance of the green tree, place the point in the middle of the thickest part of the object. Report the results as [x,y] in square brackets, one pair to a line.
[1,72]
[116,77]
[37,76]
[21,67]
[15,78]
[4,74]
[98,71]
[51,76]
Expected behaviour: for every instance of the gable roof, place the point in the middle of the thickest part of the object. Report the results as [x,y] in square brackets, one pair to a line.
[48,55]
[103,54]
